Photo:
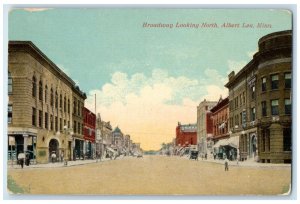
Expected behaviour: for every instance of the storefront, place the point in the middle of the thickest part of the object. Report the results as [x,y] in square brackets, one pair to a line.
[78,149]
[21,142]
[227,148]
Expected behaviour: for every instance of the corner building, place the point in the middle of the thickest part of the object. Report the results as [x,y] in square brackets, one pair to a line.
[260,102]
[39,105]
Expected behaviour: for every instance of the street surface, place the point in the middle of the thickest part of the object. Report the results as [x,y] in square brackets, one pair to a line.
[154,175]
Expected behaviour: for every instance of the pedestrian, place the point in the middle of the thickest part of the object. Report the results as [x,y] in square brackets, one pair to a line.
[53,157]
[27,159]
[226,164]
[21,157]
[62,156]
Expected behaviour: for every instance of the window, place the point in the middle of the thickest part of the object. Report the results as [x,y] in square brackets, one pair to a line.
[287,106]
[287,139]
[60,101]
[56,99]
[51,97]
[40,90]
[40,118]
[74,126]
[74,107]
[46,93]
[68,124]
[60,125]
[244,98]
[33,86]
[274,107]
[264,108]
[9,114]
[9,83]
[65,104]
[252,114]
[78,128]
[253,92]
[79,108]
[274,82]
[287,80]
[56,124]
[46,121]
[68,105]
[33,116]
[51,122]
[264,84]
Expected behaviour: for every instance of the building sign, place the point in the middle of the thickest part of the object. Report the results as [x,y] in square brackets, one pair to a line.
[251,81]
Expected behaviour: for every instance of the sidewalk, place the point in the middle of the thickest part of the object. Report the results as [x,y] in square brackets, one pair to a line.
[61,164]
[247,163]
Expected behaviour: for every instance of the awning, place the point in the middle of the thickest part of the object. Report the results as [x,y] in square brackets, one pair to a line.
[232,141]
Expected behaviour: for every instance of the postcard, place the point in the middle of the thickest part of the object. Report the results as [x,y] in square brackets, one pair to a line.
[149,101]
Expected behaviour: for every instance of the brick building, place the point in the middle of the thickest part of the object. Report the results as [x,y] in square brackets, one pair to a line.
[89,122]
[186,135]
[220,118]
[40,99]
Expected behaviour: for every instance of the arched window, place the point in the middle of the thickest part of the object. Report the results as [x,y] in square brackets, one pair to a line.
[33,86]
[51,97]
[56,99]
[46,93]
[9,83]
[40,90]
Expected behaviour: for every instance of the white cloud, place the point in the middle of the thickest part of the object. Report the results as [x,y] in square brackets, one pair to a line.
[149,107]
[235,66]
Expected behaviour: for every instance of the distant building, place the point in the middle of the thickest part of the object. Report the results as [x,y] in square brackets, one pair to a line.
[204,125]
[118,140]
[89,121]
[186,135]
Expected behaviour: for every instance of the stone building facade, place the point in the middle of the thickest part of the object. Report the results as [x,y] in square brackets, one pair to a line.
[260,101]
[204,125]
[39,105]
[274,97]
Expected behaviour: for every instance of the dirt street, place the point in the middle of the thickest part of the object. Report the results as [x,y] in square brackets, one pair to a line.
[153,175]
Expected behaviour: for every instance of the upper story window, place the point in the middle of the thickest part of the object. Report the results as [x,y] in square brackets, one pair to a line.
[287,80]
[264,108]
[33,86]
[263,84]
[68,105]
[56,99]
[274,107]
[65,104]
[9,114]
[274,81]
[33,116]
[74,107]
[51,97]
[60,101]
[252,114]
[287,106]
[40,90]
[253,92]
[46,93]
[9,83]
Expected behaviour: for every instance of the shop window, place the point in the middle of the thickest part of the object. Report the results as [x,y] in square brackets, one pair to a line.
[287,106]
[264,108]
[40,90]
[264,84]
[9,83]
[33,86]
[287,139]
[275,81]
[9,114]
[274,107]
[287,78]
[33,116]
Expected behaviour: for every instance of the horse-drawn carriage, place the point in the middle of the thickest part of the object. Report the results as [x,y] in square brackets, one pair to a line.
[194,154]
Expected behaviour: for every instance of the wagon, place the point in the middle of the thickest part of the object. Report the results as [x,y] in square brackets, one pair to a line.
[194,155]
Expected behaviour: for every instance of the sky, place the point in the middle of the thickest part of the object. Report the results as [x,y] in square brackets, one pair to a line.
[146,78]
